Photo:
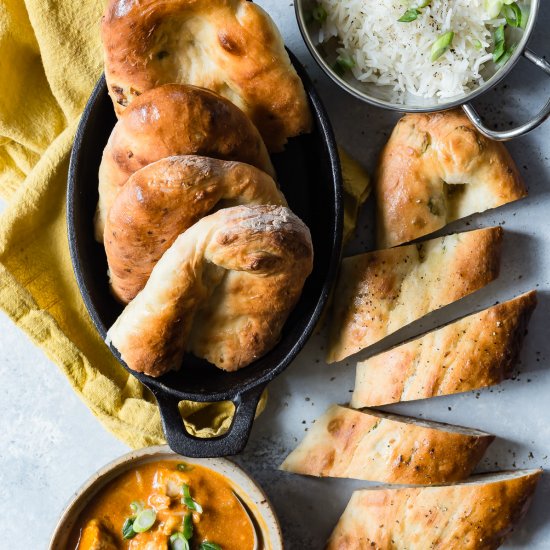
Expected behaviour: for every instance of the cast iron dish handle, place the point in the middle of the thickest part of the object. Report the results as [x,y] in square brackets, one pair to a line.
[231,442]
[520,130]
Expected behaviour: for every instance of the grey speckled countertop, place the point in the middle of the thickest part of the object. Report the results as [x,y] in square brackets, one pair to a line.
[50,443]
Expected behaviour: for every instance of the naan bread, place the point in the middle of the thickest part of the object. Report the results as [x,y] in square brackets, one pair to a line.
[222,291]
[476,351]
[380,292]
[229,46]
[475,515]
[378,446]
[437,168]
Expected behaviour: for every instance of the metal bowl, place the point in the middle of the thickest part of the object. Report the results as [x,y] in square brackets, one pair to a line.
[380,96]
[309,175]
[257,504]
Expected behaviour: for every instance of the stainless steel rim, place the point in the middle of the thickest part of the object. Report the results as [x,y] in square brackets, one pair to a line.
[491,83]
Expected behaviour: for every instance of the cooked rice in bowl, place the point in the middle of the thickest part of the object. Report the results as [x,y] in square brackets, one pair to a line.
[388,52]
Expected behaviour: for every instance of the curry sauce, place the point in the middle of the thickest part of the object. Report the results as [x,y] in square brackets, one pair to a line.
[164,501]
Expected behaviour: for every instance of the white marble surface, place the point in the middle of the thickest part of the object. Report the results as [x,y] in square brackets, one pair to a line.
[50,443]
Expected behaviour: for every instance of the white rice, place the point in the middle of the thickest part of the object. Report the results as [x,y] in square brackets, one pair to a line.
[389,53]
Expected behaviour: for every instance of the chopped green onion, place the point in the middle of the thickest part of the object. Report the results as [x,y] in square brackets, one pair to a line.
[409,16]
[319,13]
[343,63]
[424,3]
[500,43]
[209,546]
[188,526]
[178,542]
[441,45]
[188,501]
[507,55]
[137,506]
[183,467]
[128,529]
[477,44]
[513,14]
[145,520]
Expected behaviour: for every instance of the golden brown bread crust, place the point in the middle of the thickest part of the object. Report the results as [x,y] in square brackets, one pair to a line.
[380,292]
[377,446]
[175,120]
[474,515]
[437,168]
[477,351]
[223,291]
[229,46]
[162,200]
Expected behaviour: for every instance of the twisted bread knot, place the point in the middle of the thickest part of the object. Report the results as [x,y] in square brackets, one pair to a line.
[229,46]
[175,120]
[162,200]
[222,291]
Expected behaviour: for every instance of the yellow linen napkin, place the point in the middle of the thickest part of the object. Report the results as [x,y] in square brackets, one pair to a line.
[51,59]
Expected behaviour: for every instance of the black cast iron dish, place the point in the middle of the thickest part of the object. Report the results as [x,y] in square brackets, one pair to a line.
[309,174]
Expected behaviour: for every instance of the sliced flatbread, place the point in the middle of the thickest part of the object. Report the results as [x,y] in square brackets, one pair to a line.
[381,292]
[475,515]
[437,168]
[377,446]
[477,351]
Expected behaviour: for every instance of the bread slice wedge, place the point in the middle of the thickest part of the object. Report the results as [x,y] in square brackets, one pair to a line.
[474,515]
[378,446]
[380,292]
[471,353]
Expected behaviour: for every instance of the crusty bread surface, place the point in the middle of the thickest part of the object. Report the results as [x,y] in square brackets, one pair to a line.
[436,168]
[222,291]
[380,292]
[474,515]
[377,446]
[175,120]
[474,352]
[162,200]
[229,46]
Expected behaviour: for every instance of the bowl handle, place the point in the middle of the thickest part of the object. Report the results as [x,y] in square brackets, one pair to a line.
[524,128]
[230,443]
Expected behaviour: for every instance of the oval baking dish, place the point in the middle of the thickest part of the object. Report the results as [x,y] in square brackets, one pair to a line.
[259,509]
[309,174]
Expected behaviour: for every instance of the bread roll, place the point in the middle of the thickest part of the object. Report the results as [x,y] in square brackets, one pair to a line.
[222,291]
[162,200]
[229,46]
[175,120]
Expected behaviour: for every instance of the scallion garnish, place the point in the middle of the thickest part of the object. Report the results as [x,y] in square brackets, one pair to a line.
[144,520]
[441,45]
[409,16]
[500,43]
[179,542]
[137,506]
[477,44]
[507,55]
[343,63]
[188,501]
[209,546]
[412,13]
[188,526]
[513,14]
[319,13]
[128,529]
[183,467]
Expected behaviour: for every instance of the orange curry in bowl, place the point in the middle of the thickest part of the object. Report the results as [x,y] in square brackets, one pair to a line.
[164,505]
